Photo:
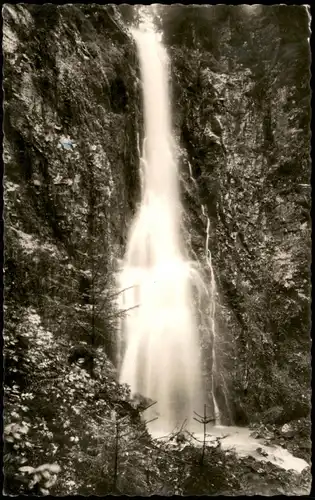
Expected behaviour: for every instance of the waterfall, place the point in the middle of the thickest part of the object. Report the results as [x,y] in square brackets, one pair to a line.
[161,358]
[212,300]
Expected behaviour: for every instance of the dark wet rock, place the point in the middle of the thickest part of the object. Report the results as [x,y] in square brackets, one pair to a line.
[274,415]
[296,437]
[245,125]
[262,452]
[260,431]
[264,478]
[71,119]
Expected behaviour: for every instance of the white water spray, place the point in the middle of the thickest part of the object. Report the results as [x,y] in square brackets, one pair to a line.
[161,358]
[212,320]
[212,300]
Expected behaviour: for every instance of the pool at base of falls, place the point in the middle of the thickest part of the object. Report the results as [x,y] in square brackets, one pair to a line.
[240,441]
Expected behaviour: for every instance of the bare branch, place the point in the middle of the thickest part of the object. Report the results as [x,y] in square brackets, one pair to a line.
[198,415]
[122,312]
[184,422]
[121,291]
[123,418]
[200,440]
[172,434]
[196,439]
[167,435]
[144,409]
[152,420]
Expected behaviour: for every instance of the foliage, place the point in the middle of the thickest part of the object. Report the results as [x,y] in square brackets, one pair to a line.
[55,411]
[72,115]
[60,430]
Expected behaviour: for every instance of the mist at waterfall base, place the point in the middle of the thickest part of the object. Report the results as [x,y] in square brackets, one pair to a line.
[161,353]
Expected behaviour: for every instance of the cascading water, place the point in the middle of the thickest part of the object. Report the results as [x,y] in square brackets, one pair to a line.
[212,300]
[161,357]
[212,319]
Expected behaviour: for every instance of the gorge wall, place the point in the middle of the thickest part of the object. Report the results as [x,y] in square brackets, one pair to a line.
[241,100]
[72,115]
[71,118]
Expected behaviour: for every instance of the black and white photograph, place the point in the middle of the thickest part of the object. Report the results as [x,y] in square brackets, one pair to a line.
[157,249]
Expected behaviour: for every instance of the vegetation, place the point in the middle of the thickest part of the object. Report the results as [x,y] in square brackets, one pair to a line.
[72,121]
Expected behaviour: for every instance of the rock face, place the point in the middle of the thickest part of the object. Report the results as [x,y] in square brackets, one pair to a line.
[241,95]
[241,102]
[71,119]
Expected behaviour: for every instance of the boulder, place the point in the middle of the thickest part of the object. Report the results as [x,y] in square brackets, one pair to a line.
[288,431]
